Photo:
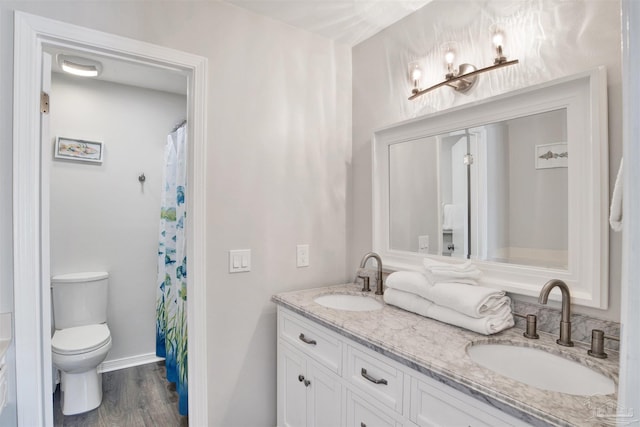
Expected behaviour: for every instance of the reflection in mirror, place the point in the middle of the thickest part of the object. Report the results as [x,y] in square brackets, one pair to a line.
[497,192]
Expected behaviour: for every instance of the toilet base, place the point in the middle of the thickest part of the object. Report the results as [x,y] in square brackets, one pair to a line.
[81,392]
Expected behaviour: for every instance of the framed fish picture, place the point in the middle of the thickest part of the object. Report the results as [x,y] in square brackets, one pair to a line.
[78,149]
[553,155]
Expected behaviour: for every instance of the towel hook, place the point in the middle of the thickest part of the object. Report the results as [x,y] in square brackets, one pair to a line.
[142,178]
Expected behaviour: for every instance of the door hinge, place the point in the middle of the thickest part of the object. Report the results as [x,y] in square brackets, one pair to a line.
[468,159]
[44,102]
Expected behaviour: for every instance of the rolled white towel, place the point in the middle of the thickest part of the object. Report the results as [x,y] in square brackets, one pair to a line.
[474,301]
[408,301]
[413,282]
[488,325]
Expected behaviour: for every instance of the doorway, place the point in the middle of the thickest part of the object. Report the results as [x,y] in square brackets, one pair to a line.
[34,36]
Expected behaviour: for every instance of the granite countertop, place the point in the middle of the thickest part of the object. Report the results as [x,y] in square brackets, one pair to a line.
[438,350]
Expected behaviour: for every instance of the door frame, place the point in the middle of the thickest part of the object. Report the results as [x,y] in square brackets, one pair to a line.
[32,300]
[629,378]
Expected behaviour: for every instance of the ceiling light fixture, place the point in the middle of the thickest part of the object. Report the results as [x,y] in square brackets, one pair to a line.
[465,77]
[79,66]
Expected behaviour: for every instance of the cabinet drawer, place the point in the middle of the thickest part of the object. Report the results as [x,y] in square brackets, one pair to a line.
[433,404]
[377,379]
[311,340]
[362,414]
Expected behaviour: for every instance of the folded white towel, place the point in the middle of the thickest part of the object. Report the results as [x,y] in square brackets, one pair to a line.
[408,301]
[487,325]
[615,216]
[413,282]
[438,271]
[474,301]
[430,263]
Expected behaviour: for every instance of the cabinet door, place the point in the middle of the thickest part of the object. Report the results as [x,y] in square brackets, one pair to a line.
[324,404]
[292,393]
[362,414]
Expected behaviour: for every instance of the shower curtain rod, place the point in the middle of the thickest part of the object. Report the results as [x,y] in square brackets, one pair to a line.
[179,125]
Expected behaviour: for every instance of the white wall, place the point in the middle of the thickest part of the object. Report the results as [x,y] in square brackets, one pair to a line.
[279,156]
[537,196]
[102,218]
[551,38]
[413,194]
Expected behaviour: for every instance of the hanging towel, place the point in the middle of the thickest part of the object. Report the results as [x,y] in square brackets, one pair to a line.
[448,216]
[474,301]
[615,216]
[409,281]
[487,325]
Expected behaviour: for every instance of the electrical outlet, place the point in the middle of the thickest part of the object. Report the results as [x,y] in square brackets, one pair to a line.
[423,244]
[302,256]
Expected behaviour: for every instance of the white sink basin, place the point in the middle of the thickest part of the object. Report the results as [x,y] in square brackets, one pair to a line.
[349,302]
[541,369]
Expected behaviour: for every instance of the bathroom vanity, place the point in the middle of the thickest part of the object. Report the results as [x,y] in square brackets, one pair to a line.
[389,367]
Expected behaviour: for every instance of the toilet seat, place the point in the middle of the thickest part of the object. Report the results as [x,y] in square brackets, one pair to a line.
[80,339]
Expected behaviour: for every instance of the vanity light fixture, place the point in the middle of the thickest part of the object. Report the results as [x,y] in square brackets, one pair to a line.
[77,66]
[465,77]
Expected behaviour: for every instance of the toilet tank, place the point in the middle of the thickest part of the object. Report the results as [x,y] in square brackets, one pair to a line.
[79,299]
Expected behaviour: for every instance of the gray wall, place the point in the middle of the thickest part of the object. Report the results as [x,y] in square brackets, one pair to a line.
[551,38]
[278,165]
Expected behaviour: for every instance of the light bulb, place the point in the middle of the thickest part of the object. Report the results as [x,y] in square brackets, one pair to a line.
[416,74]
[449,57]
[498,38]
[79,70]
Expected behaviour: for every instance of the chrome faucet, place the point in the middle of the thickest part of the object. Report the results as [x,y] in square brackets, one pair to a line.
[565,321]
[365,279]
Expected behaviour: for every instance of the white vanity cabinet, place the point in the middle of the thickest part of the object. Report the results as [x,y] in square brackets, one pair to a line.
[311,395]
[309,369]
[328,380]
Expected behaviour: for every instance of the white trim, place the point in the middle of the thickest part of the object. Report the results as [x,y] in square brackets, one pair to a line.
[128,362]
[584,96]
[32,314]
[629,390]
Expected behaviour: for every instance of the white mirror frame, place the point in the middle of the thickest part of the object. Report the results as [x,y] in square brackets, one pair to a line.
[584,96]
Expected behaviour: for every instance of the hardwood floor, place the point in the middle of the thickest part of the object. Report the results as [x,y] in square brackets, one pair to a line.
[132,397]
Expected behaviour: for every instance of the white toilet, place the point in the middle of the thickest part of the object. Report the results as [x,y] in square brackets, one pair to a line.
[82,338]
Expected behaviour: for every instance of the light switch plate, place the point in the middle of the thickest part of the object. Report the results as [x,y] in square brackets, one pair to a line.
[302,256]
[239,260]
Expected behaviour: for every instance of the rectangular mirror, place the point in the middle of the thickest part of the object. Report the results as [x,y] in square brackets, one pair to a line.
[489,185]
[517,183]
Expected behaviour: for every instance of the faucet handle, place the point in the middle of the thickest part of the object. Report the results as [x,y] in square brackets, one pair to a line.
[532,322]
[597,343]
[365,283]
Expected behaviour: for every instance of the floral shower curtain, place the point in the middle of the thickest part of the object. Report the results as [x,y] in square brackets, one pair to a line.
[171,304]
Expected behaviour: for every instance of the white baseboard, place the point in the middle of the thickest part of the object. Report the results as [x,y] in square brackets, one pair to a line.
[128,362]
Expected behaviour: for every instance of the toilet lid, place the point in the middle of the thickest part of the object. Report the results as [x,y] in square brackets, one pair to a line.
[80,339]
